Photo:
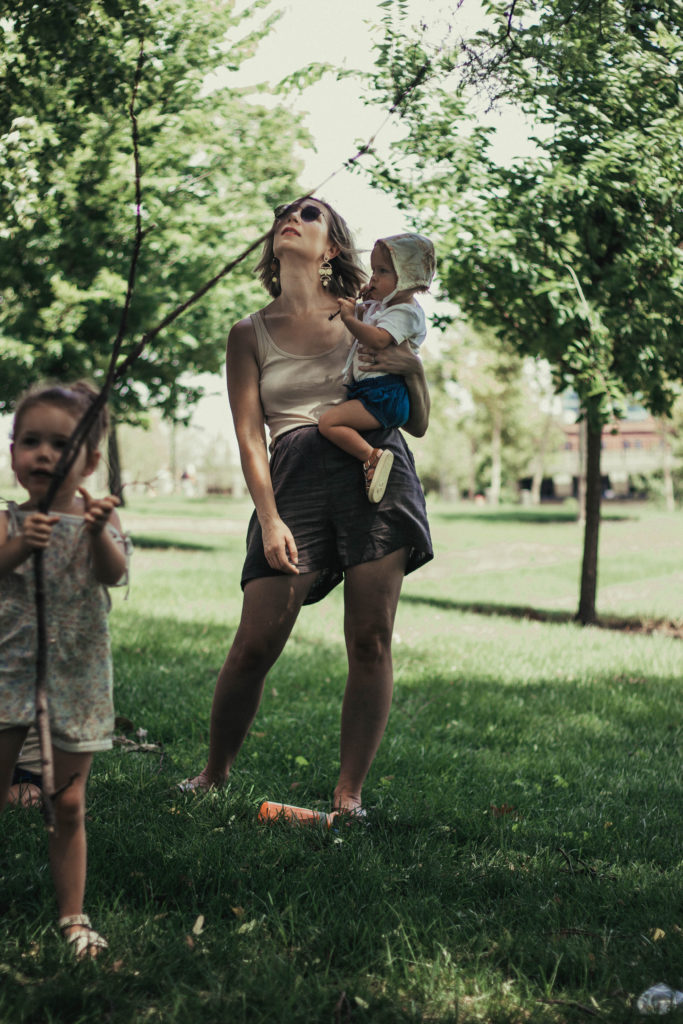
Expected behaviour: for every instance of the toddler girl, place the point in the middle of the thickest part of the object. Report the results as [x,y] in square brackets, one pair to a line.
[401,266]
[84,552]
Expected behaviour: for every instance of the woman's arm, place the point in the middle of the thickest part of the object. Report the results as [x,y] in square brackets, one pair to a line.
[247,413]
[402,360]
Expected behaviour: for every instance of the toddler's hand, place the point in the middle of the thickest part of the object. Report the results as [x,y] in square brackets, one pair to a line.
[37,529]
[97,510]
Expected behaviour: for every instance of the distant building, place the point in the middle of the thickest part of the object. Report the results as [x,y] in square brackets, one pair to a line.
[632,447]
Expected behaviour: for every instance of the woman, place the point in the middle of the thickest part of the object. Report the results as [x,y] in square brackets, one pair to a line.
[312,524]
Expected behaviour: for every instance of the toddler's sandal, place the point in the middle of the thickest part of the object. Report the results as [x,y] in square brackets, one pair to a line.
[376,471]
[86,941]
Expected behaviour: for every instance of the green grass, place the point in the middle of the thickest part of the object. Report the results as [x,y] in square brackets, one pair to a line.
[523,858]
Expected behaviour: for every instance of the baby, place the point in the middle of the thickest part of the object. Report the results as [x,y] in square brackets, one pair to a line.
[402,265]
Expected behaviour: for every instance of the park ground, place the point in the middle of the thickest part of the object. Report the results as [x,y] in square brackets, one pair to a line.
[523,857]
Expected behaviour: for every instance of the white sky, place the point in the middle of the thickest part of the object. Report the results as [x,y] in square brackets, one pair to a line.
[342,33]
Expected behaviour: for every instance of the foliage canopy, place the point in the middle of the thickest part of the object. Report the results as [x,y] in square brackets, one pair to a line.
[573,252]
[214,162]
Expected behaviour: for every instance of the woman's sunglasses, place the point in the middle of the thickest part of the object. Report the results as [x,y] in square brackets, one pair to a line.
[308,213]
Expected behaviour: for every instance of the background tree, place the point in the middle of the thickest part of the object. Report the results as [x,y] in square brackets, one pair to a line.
[491,418]
[214,162]
[573,253]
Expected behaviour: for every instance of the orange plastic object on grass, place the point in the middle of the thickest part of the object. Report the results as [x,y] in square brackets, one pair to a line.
[270,811]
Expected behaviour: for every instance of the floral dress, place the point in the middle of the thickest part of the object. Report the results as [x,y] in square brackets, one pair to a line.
[79,664]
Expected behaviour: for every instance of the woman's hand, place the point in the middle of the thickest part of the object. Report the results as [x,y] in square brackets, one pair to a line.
[393,359]
[279,547]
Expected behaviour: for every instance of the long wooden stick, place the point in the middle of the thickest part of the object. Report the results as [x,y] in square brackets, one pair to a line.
[114,372]
[64,464]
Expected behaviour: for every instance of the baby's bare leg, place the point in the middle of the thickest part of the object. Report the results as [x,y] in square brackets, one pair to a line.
[341,424]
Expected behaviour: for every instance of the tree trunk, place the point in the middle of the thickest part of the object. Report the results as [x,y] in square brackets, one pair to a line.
[581,515]
[115,483]
[173,456]
[668,481]
[496,458]
[589,568]
[471,478]
[539,462]
[667,460]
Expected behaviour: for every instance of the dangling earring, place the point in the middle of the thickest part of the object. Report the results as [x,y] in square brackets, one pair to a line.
[275,267]
[325,271]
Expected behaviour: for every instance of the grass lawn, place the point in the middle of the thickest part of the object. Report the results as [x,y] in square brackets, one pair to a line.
[524,854]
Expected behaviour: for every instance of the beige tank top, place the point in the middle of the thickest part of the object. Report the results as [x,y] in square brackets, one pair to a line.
[296,390]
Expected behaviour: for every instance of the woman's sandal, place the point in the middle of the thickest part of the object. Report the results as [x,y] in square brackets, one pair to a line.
[196,785]
[352,816]
[376,472]
[84,940]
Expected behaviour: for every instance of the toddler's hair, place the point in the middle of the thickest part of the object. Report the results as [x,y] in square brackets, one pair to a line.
[76,398]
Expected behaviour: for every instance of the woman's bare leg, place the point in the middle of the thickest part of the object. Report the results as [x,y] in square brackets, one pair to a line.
[371,594]
[269,611]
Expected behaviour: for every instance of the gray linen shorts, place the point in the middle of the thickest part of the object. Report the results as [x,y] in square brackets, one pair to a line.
[320,495]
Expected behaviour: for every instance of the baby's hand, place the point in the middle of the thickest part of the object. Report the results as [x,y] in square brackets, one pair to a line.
[97,510]
[37,529]
[347,308]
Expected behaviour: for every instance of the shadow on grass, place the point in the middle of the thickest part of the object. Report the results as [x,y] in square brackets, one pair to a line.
[530,835]
[492,832]
[168,544]
[523,515]
[625,623]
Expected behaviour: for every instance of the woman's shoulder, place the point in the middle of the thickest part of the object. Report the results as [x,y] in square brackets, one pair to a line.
[242,339]
[243,330]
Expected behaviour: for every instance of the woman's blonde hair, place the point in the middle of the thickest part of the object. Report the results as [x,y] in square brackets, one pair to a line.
[76,398]
[348,276]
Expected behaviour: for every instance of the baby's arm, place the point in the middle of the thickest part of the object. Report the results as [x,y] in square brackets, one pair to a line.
[34,535]
[108,556]
[375,338]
